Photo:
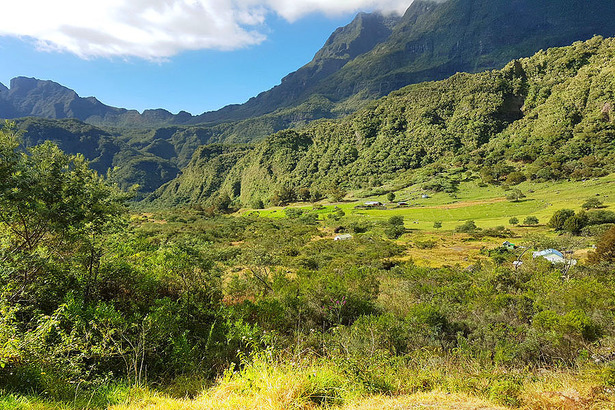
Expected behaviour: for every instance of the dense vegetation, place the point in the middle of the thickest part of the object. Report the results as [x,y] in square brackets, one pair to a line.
[546,117]
[98,305]
[93,299]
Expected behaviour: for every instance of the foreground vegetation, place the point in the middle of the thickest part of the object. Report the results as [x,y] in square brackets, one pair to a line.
[193,309]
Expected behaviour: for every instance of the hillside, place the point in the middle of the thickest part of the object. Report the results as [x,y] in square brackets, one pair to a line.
[375,55]
[549,117]
[367,59]
[109,153]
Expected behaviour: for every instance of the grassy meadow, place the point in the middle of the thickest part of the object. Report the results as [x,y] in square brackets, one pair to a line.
[284,317]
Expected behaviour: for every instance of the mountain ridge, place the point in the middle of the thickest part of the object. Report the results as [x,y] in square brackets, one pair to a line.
[370,57]
[546,117]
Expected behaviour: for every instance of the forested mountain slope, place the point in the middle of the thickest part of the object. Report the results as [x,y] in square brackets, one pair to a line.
[549,116]
[109,153]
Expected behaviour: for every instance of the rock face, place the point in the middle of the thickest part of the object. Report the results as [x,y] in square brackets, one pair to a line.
[375,55]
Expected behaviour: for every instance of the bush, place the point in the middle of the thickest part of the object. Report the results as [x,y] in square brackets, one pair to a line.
[513,221]
[605,249]
[592,203]
[530,220]
[596,230]
[559,218]
[467,227]
[506,392]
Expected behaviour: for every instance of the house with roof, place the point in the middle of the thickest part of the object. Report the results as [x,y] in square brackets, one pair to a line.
[554,256]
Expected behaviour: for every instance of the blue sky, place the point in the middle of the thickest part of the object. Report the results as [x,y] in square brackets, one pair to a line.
[146,59]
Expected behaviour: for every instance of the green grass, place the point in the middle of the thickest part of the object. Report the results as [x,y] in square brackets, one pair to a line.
[487,206]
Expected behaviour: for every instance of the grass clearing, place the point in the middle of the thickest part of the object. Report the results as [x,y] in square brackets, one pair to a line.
[486,206]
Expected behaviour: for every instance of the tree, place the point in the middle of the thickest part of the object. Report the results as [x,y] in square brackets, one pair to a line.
[391,196]
[559,218]
[530,220]
[515,178]
[395,227]
[337,193]
[592,203]
[605,248]
[304,194]
[315,196]
[223,203]
[515,195]
[396,220]
[575,223]
[48,194]
[437,224]
[284,196]
[513,221]
[53,201]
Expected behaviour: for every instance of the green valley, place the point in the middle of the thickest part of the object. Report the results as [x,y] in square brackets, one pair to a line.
[351,239]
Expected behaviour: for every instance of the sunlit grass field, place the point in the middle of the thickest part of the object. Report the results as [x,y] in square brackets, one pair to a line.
[487,206]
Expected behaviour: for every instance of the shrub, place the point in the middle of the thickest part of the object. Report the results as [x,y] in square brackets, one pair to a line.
[530,220]
[592,203]
[506,392]
[559,218]
[467,227]
[605,249]
[513,221]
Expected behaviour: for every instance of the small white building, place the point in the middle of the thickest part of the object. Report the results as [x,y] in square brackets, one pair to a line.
[554,257]
[373,203]
[343,237]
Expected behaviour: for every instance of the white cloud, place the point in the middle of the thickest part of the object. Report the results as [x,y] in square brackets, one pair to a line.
[295,9]
[158,29]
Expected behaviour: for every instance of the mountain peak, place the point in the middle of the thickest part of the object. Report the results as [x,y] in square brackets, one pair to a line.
[22,86]
[3,88]
[360,36]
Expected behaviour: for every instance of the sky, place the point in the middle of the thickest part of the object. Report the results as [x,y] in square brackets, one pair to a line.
[191,55]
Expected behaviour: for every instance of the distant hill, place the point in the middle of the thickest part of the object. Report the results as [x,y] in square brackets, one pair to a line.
[547,117]
[30,97]
[124,161]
